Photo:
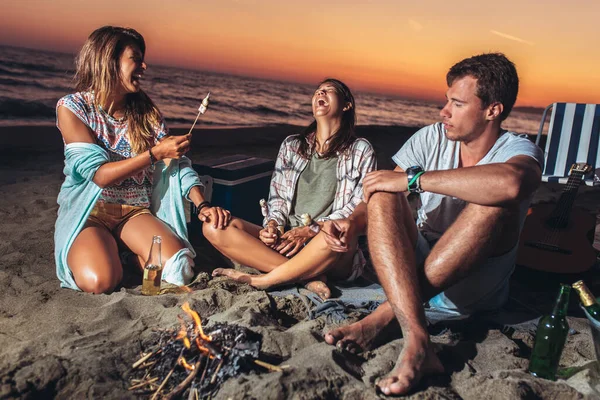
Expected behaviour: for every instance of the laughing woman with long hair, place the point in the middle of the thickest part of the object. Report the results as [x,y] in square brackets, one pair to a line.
[318,172]
[125,176]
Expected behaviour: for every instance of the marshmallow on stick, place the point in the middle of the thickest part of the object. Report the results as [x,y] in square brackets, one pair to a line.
[264,208]
[307,220]
[201,110]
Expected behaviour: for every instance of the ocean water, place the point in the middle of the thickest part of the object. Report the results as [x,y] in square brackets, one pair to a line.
[32,81]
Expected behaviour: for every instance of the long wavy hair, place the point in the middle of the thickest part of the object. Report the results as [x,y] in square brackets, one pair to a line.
[344,136]
[98,71]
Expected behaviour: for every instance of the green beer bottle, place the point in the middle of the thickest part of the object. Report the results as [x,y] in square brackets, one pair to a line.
[587,299]
[550,338]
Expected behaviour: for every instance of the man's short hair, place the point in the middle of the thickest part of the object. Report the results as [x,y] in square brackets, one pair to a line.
[497,79]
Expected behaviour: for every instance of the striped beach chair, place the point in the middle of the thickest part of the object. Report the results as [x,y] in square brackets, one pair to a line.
[573,137]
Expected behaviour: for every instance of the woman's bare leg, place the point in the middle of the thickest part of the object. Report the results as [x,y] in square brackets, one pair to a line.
[94,260]
[239,241]
[137,234]
[313,260]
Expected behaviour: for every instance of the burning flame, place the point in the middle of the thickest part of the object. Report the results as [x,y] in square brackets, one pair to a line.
[182,334]
[203,341]
[185,364]
[201,347]
[197,324]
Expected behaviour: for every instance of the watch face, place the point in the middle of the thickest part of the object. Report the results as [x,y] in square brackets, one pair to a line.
[410,174]
[413,170]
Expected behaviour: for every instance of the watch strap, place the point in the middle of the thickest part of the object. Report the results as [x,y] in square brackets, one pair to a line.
[413,174]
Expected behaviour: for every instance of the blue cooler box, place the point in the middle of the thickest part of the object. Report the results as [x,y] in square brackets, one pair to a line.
[238,183]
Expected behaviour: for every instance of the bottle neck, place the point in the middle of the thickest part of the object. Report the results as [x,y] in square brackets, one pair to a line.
[154,257]
[586,297]
[562,301]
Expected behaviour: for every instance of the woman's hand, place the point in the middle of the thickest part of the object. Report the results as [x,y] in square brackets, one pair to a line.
[293,240]
[217,216]
[269,235]
[172,147]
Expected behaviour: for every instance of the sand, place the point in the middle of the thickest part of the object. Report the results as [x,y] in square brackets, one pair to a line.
[61,343]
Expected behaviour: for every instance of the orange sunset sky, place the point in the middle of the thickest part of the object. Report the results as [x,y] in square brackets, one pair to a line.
[388,46]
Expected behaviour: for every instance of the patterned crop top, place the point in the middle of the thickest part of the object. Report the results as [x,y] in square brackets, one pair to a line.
[111,134]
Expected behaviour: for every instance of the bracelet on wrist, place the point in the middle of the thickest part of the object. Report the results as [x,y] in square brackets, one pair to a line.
[153,159]
[202,205]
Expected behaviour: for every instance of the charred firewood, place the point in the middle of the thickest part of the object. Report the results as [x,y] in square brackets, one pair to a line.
[190,359]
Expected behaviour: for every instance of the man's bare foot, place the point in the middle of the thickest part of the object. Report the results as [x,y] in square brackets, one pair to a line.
[320,288]
[416,360]
[239,276]
[355,338]
[359,336]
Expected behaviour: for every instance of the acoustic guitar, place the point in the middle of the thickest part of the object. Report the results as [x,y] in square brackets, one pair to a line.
[557,237]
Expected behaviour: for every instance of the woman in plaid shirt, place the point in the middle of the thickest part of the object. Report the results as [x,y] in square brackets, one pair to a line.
[318,172]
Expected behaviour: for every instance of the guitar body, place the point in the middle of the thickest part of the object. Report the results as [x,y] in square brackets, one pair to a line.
[565,250]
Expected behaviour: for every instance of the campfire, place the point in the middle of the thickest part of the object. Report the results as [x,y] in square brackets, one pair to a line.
[189,359]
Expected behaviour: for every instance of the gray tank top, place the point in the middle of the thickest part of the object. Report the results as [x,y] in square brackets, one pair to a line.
[315,190]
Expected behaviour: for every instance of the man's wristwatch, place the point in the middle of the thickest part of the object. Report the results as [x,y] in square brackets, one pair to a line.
[414,179]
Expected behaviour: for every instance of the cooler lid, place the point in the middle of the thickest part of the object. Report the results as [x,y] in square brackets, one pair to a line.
[234,167]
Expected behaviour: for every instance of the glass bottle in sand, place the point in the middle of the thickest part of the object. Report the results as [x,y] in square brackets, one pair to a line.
[153,269]
[550,338]
[587,300]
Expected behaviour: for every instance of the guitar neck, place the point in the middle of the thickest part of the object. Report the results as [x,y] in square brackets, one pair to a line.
[560,215]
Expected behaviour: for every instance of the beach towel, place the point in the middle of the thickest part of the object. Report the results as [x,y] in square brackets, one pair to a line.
[79,194]
[351,298]
[361,297]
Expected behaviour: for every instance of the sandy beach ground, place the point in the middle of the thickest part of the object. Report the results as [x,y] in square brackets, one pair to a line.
[65,344]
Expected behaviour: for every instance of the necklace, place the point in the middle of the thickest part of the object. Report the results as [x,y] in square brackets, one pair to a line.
[103,111]
[324,145]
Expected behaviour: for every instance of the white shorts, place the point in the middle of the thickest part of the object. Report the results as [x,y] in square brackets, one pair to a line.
[486,288]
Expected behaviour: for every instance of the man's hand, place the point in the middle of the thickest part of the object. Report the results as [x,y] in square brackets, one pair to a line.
[293,240]
[217,216]
[339,234]
[384,181]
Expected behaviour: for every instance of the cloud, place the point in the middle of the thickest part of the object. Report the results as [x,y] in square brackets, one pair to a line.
[510,37]
[414,25]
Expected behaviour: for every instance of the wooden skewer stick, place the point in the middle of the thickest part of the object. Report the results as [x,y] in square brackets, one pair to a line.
[143,359]
[201,111]
[162,384]
[148,364]
[270,367]
[214,377]
[204,372]
[142,384]
[193,394]
[186,382]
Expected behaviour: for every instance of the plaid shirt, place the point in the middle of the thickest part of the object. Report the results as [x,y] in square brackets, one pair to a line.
[352,166]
